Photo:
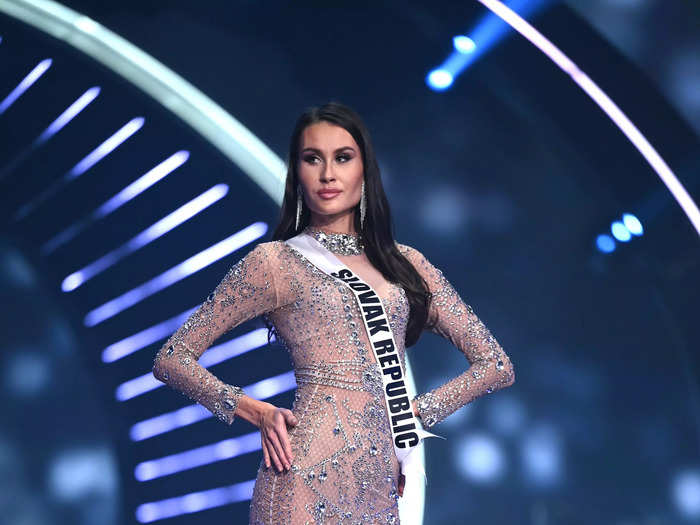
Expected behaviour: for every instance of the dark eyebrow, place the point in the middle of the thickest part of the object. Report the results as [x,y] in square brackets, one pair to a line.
[336,151]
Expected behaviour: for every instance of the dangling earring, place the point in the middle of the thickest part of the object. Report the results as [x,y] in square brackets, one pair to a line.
[363,206]
[299,199]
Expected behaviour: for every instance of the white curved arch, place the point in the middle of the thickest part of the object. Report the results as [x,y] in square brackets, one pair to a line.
[168,88]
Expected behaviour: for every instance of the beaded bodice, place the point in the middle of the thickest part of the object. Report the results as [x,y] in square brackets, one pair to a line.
[344,468]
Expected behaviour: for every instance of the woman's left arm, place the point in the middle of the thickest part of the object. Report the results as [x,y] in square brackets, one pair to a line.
[490,369]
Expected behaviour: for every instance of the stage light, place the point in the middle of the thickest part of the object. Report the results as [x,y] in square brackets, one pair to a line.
[117,201]
[480,458]
[213,356]
[80,472]
[92,158]
[197,457]
[192,413]
[620,231]
[685,492]
[605,243]
[505,414]
[463,44]
[194,502]
[144,182]
[68,115]
[27,373]
[107,147]
[25,84]
[145,337]
[439,79]
[175,274]
[147,236]
[632,223]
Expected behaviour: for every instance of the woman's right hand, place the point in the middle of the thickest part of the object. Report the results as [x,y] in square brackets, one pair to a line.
[276,445]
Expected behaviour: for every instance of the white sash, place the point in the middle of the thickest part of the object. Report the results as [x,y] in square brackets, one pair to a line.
[407,432]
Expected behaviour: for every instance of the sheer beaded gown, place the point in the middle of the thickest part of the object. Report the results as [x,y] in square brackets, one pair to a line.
[344,469]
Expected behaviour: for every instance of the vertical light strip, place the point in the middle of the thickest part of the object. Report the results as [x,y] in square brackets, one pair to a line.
[68,115]
[26,83]
[133,190]
[191,414]
[135,342]
[166,87]
[175,274]
[605,103]
[106,148]
[212,356]
[147,236]
[487,33]
[92,158]
[57,125]
[198,457]
[143,183]
[194,502]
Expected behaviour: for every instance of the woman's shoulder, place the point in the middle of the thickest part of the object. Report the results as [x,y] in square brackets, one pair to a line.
[403,248]
[408,251]
[276,250]
[269,248]
[419,261]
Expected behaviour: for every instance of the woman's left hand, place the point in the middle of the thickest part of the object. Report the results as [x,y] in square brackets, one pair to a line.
[402,478]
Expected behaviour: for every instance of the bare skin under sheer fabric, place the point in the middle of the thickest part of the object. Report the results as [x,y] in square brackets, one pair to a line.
[344,469]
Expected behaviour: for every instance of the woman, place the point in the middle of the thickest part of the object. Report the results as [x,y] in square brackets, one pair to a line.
[336,456]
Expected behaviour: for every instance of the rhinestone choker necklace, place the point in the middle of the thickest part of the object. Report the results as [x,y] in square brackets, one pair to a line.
[341,243]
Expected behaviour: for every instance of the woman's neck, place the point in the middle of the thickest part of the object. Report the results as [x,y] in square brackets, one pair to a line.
[329,229]
[337,226]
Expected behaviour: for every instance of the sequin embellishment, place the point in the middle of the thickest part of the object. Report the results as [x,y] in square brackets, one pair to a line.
[344,468]
[336,242]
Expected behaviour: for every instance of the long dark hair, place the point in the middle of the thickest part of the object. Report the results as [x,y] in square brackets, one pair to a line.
[377,233]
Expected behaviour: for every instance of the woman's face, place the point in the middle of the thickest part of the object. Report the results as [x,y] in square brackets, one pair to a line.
[329,158]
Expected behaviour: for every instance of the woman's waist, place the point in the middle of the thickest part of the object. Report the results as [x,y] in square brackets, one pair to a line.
[348,374]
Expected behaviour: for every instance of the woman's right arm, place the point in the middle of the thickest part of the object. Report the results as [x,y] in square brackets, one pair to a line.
[246,291]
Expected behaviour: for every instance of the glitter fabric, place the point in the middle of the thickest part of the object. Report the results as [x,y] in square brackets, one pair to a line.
[336,242]
[344,468]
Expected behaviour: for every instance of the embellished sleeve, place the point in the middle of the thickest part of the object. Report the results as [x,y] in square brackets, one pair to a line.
[246,291]
[490,368]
